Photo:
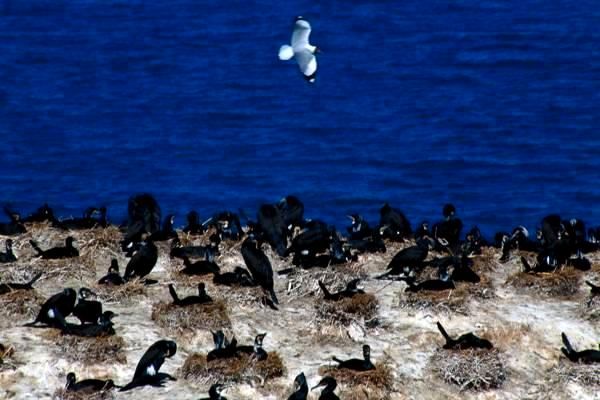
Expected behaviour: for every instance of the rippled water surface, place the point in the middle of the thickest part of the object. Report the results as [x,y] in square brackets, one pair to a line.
[492,105]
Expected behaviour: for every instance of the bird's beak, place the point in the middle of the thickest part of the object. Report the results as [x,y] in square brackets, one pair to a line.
[317,386]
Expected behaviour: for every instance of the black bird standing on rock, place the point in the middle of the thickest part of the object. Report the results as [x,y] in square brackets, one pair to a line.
[144,217]
[356,364]
[292,212]
[8,256]
[193,227]
[450,228]
[143,260]
[465,341]
[329,384]
[146,372]
[166,232]
[272,227]
[68,251]
[300,388]
[259,266]
[393,224]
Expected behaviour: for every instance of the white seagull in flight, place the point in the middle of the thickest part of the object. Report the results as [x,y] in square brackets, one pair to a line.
[302,50]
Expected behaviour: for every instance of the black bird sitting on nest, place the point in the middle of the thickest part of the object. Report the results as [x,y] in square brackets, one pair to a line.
[201,298]
[88,386]
[584,356]
[350,290]
[357,364]
[68,251]
[12,286]
[465,341]
[112,277]
[87,311]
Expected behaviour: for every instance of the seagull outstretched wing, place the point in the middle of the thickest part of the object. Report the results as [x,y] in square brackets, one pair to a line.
[301,34]
[307,63]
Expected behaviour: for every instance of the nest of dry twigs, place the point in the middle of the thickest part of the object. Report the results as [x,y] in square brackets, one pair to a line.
[374,384]
[472,369]
[63,394]
[562,283]
[587,375]
[179,320]
[303,283]
[88,350]
[359,308]
[20,305]
[237,369]
[452,300]
[116,294]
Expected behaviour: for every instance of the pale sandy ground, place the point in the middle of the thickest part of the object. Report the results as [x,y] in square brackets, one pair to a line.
[526,328]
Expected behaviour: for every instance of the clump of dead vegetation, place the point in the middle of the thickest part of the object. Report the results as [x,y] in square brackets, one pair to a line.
[6,357]
[562,283]
[472,369]
[506,336]
[590,308]
[88,350]
[179,320]
[586,375]
[373,384]
[302,283]
[359,308]
[451,300]
[241,368]
[64,394]
[19,305]
[120,293]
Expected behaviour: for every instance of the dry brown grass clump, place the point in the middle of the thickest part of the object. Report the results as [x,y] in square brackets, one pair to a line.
[88,350]
[360,307]
[20,305]
[469,369]
[452,300]
[302,283]
[63,394]
[374,384]
[506,335]
[6,357]
[488,260]
[236,369]
[120,293]
[563,283]
[586,375]
[179,320]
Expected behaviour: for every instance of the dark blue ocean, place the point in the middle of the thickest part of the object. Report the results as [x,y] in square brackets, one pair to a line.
[491,105]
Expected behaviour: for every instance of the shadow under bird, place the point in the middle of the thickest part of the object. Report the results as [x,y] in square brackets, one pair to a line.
[300,388]
[88,386]
[357,364]
[66,251]
[201,298]
[329,384]
[584,356]
[8,256]
[301,50]
[12,286]
[259,266]
[146,372]
[464,341]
